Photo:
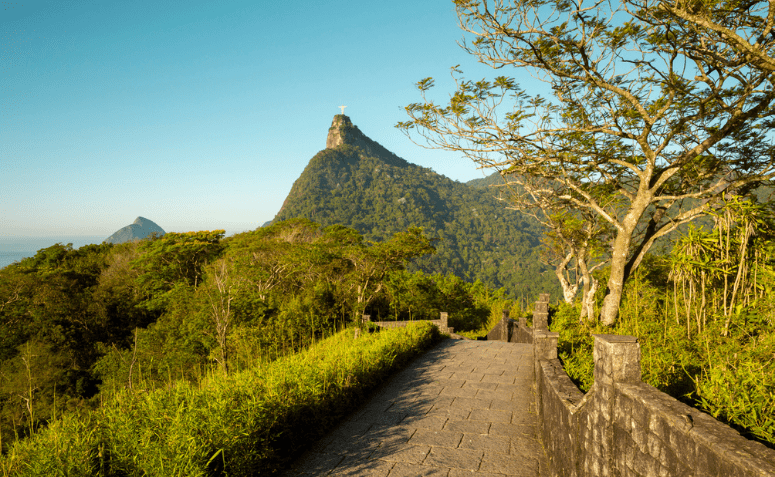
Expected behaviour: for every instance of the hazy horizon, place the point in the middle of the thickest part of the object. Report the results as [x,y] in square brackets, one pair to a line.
[200,116]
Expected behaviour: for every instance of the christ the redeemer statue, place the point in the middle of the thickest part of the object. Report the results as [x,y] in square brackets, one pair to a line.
[342,108]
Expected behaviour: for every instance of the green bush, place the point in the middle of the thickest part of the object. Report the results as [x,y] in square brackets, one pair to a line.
[251,422]
[730,377]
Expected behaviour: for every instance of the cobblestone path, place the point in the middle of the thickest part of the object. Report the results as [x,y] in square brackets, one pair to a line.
[463,408]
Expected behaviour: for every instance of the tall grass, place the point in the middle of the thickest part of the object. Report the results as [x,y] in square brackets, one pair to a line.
[730,376]
[251,422]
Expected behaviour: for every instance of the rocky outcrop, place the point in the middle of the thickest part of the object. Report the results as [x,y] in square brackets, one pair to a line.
[343,131]
[138,230]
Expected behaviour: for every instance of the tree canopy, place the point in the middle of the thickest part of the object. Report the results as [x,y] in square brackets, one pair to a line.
[656,109]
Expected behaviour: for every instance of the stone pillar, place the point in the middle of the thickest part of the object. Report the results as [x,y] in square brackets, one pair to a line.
[541,315]
[545,344]
[365,319]
[444,321]
[617,359]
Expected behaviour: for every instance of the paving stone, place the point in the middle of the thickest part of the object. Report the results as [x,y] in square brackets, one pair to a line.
[413,470]
[465,362]
[314,463]
[413,454]
[526,446]
[450,412]
[366,467]
[471,473]
[440,400]
[381,417]
[413,407]
[436,438]
[430,421]
[524,418]
[491,394]
[492,378]
[431,390]
[490,415]
[382,433]
[471,403]
[456,369]
[459,392]
[475,427]
[504,405]
[496,370]
[508,388]
[440,374]
[499,444]
[523,380]
[455,458]
[450,383]
[480,385]
[346,431]
[376,405]
[507,464]
[468,377]
[360,447]
[511,430]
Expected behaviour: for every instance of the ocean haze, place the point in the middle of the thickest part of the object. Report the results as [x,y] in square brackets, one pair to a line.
[15,248]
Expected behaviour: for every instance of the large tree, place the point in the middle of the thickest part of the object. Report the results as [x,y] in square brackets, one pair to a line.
[656,109]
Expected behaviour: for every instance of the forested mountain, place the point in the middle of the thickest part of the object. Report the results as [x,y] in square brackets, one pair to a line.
[358,183]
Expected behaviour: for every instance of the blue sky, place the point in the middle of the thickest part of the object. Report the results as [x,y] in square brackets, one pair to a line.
[200,115]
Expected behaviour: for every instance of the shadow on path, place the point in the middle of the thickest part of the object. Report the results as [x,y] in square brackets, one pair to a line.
[463,408]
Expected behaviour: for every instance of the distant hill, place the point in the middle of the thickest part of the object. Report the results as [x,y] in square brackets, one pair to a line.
[491,180]
[137,230]
[358,183]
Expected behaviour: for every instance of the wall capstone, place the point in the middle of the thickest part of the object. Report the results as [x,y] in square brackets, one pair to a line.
[617,359]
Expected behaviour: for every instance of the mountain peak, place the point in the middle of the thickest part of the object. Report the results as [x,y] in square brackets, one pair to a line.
[142,222]
[343,131]
[137,230]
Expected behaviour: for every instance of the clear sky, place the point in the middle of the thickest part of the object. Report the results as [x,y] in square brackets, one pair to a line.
[200,115]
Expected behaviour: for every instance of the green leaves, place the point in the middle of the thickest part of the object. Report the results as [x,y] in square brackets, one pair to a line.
[175,259]
[425,84]
[641,90]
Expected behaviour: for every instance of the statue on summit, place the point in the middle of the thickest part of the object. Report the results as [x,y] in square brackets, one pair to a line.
[342,108]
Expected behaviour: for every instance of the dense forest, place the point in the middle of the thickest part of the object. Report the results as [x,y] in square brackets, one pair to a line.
[79,325]
[359,184]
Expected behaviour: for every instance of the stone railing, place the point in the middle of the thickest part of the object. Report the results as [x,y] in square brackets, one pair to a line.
[442,322]
[623,426]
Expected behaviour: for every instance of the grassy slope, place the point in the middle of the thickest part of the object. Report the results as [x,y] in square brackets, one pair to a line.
[249,423]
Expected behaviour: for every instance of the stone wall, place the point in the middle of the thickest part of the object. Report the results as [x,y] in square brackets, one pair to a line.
[442,323]
[622,426]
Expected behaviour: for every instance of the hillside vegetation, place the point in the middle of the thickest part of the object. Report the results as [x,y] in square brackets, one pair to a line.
[704,315]
[78,326]
[248,423]
[359,184]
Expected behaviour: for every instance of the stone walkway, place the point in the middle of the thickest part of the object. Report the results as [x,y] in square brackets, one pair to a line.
[463,408]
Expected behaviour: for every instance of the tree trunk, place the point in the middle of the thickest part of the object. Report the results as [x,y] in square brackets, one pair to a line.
[619,270]
[588,295]
[568,291]
[589,299]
